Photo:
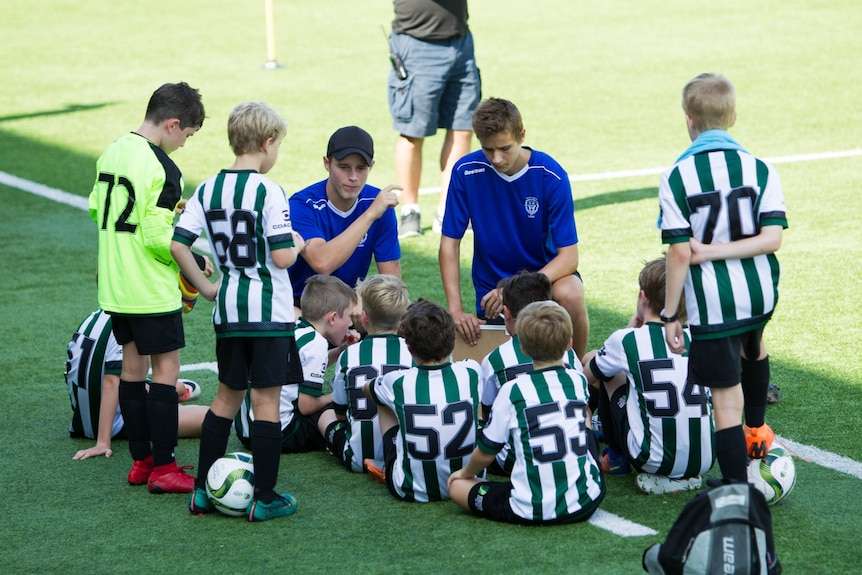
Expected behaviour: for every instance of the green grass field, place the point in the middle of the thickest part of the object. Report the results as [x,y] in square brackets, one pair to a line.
[598,84]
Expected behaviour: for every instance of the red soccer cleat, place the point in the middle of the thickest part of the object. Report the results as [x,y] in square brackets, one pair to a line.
[141,471]
[170,478]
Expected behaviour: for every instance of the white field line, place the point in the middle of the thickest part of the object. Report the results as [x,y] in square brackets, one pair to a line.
[618,525]
[207,365]
[656,171]
[823,458]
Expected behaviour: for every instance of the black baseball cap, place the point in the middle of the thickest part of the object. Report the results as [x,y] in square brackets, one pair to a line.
[350,140]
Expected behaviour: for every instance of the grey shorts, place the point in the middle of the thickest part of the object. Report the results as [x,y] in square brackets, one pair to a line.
[442,88]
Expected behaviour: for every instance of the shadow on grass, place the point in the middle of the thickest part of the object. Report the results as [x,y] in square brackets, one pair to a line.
[70,109]
[49,165]
[617,197]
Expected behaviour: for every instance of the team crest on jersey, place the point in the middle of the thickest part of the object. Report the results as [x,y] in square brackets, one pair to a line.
[531,205]
[286,215]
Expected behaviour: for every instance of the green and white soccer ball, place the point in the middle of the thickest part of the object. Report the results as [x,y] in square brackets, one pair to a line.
[775,475]
[230,483]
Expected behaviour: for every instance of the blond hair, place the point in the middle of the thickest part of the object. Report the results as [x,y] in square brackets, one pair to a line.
[545,330]
[251,124]
[710,101]
[385,299]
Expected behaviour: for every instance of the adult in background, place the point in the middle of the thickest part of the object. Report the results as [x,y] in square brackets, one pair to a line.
[344,220]
[437,86]
[519,201]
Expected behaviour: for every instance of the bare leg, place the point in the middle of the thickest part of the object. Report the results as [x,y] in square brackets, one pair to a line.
[408,167]
[191,418]
[455,146]
[569,293]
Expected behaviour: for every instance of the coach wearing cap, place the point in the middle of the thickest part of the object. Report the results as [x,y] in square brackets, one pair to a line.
[345,221]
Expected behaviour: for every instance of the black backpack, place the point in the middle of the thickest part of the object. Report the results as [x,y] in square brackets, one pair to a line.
[726,529]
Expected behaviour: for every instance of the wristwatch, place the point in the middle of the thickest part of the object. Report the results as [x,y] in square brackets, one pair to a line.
[668,319]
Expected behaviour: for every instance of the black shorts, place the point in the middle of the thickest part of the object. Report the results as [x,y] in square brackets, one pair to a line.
[718,362]
[152,334]
[490,499]
[335,438]
[258,361]
[390,454]
[300,435]
[305,436]
[617,428]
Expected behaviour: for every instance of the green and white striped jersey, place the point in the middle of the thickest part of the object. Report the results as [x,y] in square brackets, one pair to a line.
[246,216]
[357,365]
[504,364]
[437,410]
[719,197]
[93,352]
[507,362]
[543,415]
[669,427]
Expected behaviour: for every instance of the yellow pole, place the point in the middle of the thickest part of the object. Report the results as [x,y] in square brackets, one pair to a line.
[271,62]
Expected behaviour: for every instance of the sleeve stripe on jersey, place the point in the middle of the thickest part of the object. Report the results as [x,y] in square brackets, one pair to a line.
[184,236]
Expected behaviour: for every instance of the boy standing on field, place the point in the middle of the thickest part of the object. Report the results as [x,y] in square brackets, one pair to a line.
[428,413]
[133,200]
[352,429]
[327,307]
[723,214]
[544,416]
[247,220]
[519,202]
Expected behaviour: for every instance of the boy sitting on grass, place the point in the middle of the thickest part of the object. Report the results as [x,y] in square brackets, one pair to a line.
[428,413]
[508,360]
[351,429]
[543,414]
[327,305]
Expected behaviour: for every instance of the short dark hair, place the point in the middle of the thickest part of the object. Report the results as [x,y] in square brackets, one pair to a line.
[524,288]
[429,330]
[496,115]
[179,101]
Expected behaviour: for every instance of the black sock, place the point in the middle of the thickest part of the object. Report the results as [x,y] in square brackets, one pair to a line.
[266,450]
[755,386]
[136,422]
[162,408]
[732,454]
[604,411]
[215,433]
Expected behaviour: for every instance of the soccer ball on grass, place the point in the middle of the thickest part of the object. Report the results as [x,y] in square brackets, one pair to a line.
[775,475]
[230,483]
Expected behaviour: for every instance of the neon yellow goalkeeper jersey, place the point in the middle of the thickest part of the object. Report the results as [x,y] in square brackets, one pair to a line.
[137,188]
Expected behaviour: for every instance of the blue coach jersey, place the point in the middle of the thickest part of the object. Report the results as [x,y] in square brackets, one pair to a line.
[313,216]
[518,221]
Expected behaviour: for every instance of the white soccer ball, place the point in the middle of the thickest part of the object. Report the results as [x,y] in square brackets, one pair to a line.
[230,483]
[775,475]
